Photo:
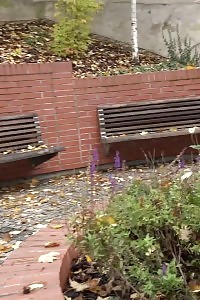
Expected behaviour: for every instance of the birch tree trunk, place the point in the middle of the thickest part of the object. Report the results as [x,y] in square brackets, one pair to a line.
[134,33]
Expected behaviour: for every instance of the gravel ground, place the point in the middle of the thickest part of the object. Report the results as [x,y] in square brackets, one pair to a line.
[27,207]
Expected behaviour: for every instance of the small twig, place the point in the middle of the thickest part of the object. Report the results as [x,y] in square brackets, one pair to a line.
[129,284]
[178,259]
[178,157]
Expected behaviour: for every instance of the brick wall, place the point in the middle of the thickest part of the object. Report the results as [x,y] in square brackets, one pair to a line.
[67,108]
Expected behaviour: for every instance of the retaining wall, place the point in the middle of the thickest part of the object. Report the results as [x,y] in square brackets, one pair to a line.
[67,109]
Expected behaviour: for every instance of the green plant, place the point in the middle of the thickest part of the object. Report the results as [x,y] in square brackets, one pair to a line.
[149,237]
[181,49]
[71,32]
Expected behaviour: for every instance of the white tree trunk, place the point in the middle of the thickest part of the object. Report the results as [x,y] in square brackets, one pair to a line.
[134,33]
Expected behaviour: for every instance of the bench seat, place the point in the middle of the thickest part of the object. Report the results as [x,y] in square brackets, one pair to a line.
[148,120]
[20,138]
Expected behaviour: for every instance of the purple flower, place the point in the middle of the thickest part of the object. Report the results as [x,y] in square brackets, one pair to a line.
[164,269]
[95,156]
[92,172]
[181,164]
[113,183]
[117,161]
[92,168]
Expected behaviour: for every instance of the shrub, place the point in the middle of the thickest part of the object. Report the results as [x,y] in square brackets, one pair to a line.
[71,33]
[181,49]
[149,236]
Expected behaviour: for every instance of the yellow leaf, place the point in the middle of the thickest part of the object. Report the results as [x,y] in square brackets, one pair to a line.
[173,129]
[51,245]
[104,219]
[57,226]
[88,258]
[5,249]
[190,67]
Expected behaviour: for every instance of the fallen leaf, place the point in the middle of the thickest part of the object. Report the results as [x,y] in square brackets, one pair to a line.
[15,232]
[88,258]
[5,249]
[190,67]
[33,286]
[6,236]
[79,287]
[134,296]
[57,226]
[67,298]
[143,133]
[105,219]
[51,245]
[34,182]
[192,129]
[40,226]
[194,286]
[186,175]
[184,234]
[49,257]
[173,129]
[17,244]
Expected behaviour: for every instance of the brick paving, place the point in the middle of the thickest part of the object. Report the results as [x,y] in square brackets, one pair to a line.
[22,268]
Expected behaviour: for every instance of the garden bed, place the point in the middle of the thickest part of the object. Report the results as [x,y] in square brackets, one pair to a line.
[30,42]
[144,244]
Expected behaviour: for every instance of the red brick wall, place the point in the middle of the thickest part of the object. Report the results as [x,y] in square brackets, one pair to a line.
[67,108]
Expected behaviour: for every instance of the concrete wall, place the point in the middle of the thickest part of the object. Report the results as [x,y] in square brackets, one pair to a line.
[114,20]
[17,10]
[153,15]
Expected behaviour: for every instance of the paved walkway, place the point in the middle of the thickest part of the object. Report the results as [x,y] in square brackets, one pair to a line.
[22,268]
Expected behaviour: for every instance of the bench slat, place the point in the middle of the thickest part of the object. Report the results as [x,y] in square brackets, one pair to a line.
[16,127]
[16,122]
[19,137]
[22,116]
[15,145]
[149,120]
[151,104]
[142,112]
[151,127]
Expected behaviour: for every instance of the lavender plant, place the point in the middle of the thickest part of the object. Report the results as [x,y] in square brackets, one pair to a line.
[117,161]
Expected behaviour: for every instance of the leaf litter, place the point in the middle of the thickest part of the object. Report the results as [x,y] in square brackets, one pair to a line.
[90,282]
[30,42]
[29,206]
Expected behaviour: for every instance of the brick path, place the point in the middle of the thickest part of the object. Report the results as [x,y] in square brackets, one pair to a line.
[22,268]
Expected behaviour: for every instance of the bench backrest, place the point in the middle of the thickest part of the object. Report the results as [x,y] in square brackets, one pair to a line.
[150,116]
[19,131]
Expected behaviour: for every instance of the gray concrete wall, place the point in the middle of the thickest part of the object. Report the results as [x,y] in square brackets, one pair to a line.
[17,10]
[153,15]
[114,20]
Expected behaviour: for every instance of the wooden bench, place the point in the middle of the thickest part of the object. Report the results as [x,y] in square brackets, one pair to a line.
[148,120]
[20,138]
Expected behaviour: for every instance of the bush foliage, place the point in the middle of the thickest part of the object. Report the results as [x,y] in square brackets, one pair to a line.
[71,32]
[150,236]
